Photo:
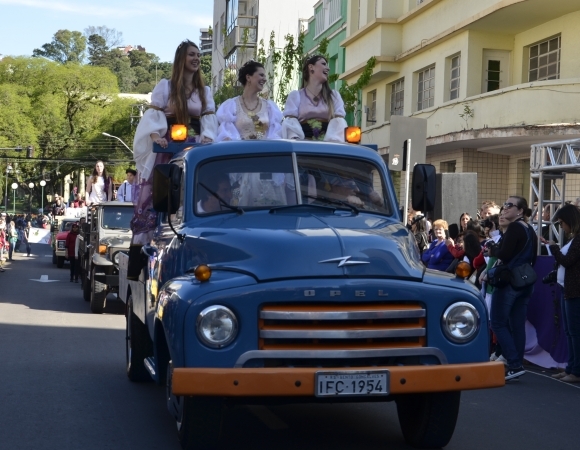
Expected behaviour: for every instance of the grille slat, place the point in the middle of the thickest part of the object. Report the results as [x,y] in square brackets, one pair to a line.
[352,326]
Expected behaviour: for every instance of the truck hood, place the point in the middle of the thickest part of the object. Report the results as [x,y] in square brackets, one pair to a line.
[306,244]
[61,236]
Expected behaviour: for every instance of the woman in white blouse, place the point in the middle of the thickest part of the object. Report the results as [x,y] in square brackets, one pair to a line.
[316,111]
[183,99]
[99,185]
[248,116]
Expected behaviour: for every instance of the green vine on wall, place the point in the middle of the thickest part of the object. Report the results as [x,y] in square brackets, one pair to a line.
[350,92]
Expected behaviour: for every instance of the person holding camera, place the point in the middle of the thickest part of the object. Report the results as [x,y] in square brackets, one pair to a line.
[509,305]
[437,256]
[568,276]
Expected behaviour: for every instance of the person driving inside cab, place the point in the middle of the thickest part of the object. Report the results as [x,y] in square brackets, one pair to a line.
[209,202]
[345,189]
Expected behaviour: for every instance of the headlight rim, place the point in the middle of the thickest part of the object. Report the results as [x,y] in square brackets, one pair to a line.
[202,338]
[477,324]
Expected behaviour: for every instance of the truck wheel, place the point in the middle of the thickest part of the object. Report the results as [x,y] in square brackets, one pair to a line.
[60,262]
[98,294]
[86,287]
[428,420]
[138,345]
[54,257]
[198,419]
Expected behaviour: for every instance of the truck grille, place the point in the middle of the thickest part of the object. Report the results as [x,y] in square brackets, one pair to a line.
[342,326]
[60,245]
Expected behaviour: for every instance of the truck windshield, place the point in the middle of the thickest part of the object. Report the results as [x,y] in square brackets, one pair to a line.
[117,217]
[264,182]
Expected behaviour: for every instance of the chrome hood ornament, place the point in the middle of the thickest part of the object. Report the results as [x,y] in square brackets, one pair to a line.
[344,261]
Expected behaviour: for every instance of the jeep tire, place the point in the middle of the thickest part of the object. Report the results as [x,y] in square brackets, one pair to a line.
[98,294]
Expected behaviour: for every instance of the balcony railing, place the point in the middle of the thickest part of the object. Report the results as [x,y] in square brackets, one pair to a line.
[243,34]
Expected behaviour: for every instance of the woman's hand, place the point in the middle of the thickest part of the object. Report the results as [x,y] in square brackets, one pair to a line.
[449,242]
[206,140]
[546,242]
[162,142]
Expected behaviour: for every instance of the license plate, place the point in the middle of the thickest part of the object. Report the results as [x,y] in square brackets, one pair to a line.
[354,383]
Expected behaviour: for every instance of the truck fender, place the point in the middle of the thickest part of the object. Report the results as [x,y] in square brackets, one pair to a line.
[99,260]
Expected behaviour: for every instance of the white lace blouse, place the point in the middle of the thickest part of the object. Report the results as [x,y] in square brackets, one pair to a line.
[235,124]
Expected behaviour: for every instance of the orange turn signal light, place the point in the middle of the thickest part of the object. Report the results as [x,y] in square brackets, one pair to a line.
[178,132]
[463,269]
[102,249]
[202,272]
[352,135]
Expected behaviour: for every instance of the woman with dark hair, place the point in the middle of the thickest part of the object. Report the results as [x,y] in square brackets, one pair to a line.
[99,185]
[509,305]
[315,111]
[248,116]
[183,99]
[463,219]
[568,258]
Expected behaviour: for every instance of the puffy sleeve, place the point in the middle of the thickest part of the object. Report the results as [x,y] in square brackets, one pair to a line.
[153,121]
[337,125]
[209,122]
[291,128]
[275,119]
[226,116]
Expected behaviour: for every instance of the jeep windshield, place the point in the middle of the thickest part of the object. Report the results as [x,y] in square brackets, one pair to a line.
[269,182]
[116,217]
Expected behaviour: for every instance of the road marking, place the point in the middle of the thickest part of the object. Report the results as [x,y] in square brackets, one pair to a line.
[44,279]
[270,419]
[48,256]
[553,379]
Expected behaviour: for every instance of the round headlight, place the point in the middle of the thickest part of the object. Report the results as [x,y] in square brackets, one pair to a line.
[460,322]
[116,258]
[217,326]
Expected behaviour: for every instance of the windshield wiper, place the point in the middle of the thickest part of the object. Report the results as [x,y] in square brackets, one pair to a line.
[333,201]
[222,201]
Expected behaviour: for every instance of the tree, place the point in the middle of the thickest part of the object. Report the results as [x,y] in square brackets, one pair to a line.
[112,37]
[206,69]
[98,50]
[66,47]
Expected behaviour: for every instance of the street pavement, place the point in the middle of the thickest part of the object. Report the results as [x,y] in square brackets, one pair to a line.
[63,386]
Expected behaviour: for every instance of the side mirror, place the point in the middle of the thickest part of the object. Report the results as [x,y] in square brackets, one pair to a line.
[166,188]
[423,187]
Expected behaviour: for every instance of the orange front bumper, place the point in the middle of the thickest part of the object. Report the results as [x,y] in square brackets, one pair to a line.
[287,382]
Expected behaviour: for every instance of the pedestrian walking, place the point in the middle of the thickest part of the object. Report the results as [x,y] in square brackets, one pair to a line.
[3,241]
[71,247]
[12,236]
[26,237]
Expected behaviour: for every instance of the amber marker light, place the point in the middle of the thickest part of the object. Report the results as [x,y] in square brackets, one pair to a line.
[178,132]
[352,135]
[202,272]
[102,249]
[463,269]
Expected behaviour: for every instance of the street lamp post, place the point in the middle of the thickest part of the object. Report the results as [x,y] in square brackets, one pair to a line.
[31,186]
[119,139]
[8,170]
[42,184]
[14,187]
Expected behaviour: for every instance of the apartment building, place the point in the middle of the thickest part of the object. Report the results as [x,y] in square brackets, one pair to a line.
[491,77]
[205,41]
[240,25]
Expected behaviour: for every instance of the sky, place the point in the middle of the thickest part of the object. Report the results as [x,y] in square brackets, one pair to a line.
[159,26]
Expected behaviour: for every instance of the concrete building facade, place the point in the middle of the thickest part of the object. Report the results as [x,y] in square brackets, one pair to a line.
[205,41]
[240,25]
[491,77]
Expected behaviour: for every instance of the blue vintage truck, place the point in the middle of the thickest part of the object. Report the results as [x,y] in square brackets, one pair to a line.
[280,271]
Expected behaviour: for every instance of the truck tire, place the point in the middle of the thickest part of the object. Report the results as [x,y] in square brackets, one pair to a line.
[428,420]
[53,256]
[98,294]
[60,262]
[198,419]
[138,345]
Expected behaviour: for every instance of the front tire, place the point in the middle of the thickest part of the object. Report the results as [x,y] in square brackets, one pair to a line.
[60,262]
[198,419]
[138,345]
[428,420]
[98,294]
[54,258]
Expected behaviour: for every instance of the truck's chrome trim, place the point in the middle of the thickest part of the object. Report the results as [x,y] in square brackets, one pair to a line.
[340,354]
[342,315]
[341,334]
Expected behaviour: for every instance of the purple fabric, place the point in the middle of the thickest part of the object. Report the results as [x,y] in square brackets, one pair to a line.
[545,313]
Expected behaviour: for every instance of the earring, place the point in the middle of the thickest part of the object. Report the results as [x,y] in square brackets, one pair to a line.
[312,71]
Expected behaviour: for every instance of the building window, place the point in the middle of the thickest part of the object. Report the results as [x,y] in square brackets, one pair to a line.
[493,75]
[397,97]
[326,15]
[426,89]
[371,107]
[447,167]
[222,27]
[454,79]
[545,60]
[359,14]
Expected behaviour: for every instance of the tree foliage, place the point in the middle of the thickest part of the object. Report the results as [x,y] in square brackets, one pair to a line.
[111,37]
[66,47]
[351,93]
